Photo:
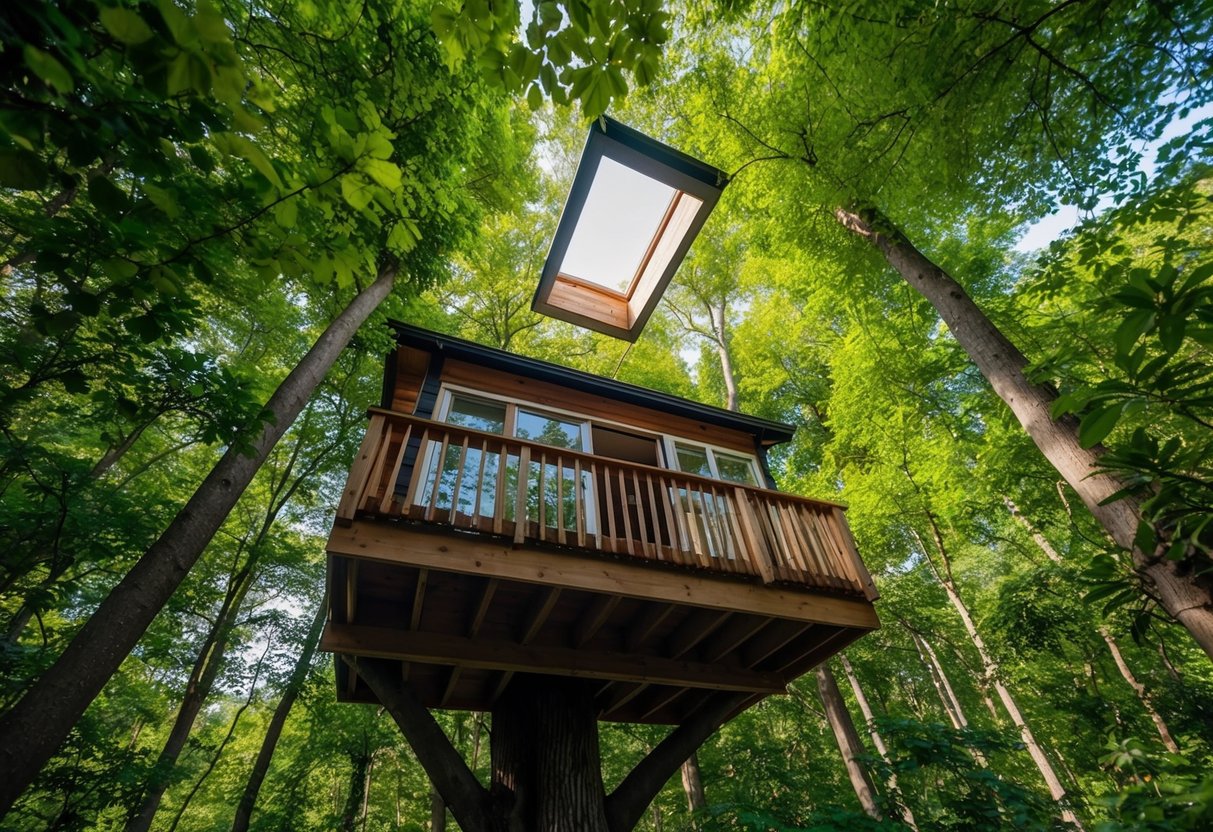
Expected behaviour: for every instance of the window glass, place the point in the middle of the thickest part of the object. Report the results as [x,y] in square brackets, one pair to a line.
[734,468]
[692,459]
[477,414]
[549,430]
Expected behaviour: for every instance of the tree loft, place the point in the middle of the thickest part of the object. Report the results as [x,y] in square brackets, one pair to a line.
[505,516]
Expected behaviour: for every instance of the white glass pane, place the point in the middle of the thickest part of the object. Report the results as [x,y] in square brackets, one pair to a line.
[693,460]
[735,468]
[621,216]
[477,414]
[549,430]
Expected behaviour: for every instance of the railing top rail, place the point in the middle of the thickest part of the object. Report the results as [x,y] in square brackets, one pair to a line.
[472,433]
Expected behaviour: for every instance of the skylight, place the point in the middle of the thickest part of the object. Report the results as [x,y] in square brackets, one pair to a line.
[633,210]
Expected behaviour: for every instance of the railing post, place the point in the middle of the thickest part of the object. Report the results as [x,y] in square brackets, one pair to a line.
[355,485]
[524,474]
[865,577]
[760,557]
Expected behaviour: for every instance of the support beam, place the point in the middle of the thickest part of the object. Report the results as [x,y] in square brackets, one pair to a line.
[654,617]
[410,545]
[539,614]
[732,636]
[597,615]
[436,648]
[694,629]
[423,577]
[482,606]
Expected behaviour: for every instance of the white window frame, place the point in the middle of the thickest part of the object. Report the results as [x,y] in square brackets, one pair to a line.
[671,459]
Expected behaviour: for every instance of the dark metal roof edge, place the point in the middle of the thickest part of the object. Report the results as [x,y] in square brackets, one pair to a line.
[687,164]
[768,432]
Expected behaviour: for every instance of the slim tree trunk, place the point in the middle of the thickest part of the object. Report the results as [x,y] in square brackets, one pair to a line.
[848,740]
[947,695]
[726,358]
[197,689]
[993,676]
[360,766]
[877,740]
[37,725]
[692,785]
[1143,696]
[261,766]
[437,811]
[1180,594]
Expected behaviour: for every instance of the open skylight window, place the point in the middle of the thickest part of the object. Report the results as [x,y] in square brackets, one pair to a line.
[632,212]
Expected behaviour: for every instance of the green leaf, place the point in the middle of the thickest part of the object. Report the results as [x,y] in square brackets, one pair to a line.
[48,69]
[21,170]
[384,173]
[1171,332]
[125,26]
[356,191]
[1097,424]
[286,213]
[108,197]
[1135,324]
[163,199]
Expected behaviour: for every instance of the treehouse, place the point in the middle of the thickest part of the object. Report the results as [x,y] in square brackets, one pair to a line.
[506,516]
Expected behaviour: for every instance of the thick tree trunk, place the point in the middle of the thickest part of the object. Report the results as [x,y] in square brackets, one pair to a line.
[1143,696]
[692,785]
[877,740]
[548,756]
[993,676]
[261,766]
[36,726]
[848,740]
[1003,365]
[197,689]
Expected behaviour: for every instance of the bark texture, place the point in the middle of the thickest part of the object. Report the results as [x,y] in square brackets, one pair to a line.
[877,740]
[848,740]
[261,766]
[692,785]
[1180,594]
[37,725]
[994,678]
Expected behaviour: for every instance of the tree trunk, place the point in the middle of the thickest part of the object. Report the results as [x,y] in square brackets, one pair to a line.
[848,740]
[36,726]
[437,811]
[197,689]
[993,676]
[692,785]
[545,751]
[1180,594]
[726,358]
[1160,724]
[877,739]
[355,796]
[261,766]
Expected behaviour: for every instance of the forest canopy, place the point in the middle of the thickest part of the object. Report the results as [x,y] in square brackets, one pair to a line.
[210,209]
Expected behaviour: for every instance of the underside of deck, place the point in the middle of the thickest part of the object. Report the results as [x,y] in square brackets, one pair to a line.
[463,613]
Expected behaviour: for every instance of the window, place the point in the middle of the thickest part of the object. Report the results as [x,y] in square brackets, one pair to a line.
[706,461]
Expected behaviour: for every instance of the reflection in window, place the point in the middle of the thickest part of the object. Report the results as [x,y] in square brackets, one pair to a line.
[734,468]
[549,430]
[477,414]
[693,460]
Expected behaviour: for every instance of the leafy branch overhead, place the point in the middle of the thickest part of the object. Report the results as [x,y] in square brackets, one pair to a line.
[573,52]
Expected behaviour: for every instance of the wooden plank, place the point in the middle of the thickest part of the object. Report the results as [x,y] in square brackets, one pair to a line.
[739,630]
[771,640]
[356,481]
[848,539]
[593,619]
[627,520]
[484,455]
[413,495]
[451,683]
[503,681]
[579,503]
[640,521]
[351,591]
[610,505]
[654,617]
[693,630]
[524,474]
[755,546]
[662,699]
[423,577]
[389,492]
[560,537]
[656,518]
[482,606]
[483,654]
[594,493]
[499,496]
[543,496]
[539,614]
[460,464]
[618,695]
[438,471]
[367,499]
[479,555]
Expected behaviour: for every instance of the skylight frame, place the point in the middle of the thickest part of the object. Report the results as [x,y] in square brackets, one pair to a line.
[588,303]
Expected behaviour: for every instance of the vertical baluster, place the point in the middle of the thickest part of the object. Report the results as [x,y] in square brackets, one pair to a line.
[758,553]
[648,479]
[413,495]
[677,523]
[355,484]
[524,475]
[698,544]
[627,520]
[772,527]
[579,503]
[459,466]
[711,545]
[389,493]
[438,471]
[594,496]
[543,496]
[742,552]
[728,549]
[367,500]
[610,507]
[499,495]
[801,552]
[484,454]
[560,499]
[640,520]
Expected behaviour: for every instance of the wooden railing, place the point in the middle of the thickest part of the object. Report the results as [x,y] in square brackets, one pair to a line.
[532,492]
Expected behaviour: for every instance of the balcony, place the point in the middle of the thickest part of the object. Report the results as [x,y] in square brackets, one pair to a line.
[469,557]
[537,494]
